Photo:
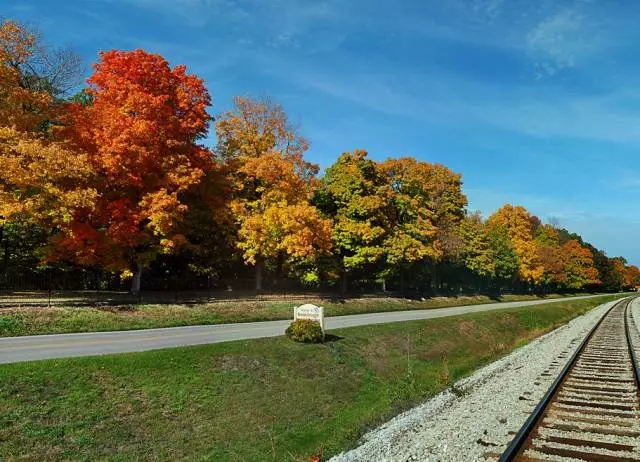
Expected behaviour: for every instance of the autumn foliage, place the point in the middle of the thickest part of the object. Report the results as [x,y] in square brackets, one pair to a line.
[272,185]
[140,137]
[116,177]
[42,178]
[22,108]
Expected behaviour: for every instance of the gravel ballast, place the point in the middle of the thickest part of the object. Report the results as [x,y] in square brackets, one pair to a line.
[476,419]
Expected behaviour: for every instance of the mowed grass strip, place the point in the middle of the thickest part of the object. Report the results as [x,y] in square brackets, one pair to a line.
[33,321]
[268,399]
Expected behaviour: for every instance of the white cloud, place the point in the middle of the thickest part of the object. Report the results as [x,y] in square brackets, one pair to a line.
[490,8]
[552,35]
[560,40]
[446,99]
[579,117]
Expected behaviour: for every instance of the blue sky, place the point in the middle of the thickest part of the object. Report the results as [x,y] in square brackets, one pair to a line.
[534,102]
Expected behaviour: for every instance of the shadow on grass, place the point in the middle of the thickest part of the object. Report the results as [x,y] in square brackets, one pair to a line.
[116,308]
[329,338]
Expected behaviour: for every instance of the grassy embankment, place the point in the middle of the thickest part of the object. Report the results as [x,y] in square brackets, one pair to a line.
[268,399]
[32,321]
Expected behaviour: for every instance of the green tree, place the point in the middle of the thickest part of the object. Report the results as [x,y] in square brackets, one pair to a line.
[505,258]
[412,233]
[355,194]
[477,253]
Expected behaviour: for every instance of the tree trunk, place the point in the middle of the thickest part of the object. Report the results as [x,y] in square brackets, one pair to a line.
[259,271]
[434,277]
[5,258]
[279,269]
[344,286]
[384,284]
[137,279]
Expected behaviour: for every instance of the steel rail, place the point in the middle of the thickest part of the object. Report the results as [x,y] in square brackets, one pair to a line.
[534,418]
[632,350]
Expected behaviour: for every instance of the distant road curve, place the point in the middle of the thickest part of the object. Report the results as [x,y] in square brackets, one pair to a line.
[36,347]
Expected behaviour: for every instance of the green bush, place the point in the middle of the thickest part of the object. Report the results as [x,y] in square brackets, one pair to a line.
[11,325]
[305,330]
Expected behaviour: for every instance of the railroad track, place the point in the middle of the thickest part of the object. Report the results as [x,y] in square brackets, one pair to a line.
[592,410]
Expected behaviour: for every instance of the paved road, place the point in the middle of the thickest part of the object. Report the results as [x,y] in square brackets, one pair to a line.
[30,348]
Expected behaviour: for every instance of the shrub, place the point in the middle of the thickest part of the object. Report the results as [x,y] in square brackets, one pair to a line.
[11,325]
[305,330]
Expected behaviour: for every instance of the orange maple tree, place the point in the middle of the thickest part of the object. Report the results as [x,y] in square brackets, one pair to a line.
[579,269]
[550,254]
[140,134]
[632,276]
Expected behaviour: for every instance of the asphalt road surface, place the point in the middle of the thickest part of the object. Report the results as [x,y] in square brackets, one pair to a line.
[35,347]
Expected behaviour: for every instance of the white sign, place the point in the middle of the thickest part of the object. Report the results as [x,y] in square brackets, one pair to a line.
[309,311]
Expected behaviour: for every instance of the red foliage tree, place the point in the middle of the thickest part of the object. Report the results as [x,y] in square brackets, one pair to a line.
[140,134]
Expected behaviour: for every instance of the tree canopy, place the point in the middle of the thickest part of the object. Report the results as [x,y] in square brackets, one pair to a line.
[117,177]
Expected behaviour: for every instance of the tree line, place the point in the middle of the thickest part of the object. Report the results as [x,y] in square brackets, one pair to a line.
[115,178]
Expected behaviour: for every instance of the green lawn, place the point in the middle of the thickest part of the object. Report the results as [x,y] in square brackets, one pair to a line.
[32,321]
[258,400]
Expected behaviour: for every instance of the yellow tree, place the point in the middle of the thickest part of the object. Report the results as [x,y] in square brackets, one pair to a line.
[272,185]
[22,108]
[41,177]
[46,181]
[518,223]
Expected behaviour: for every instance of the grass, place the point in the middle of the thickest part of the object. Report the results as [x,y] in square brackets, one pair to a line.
[33,321]
[268,399]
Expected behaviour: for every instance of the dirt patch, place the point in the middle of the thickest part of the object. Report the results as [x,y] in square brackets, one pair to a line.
[509,321]
[239,363]
[378,357]
[467,328]
[438,350]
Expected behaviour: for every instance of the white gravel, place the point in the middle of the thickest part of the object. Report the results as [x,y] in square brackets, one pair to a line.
[476,419]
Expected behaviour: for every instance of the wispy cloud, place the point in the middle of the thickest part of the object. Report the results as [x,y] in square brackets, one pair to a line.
[627,181]
[449,99]
[560,40]
[278,24]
